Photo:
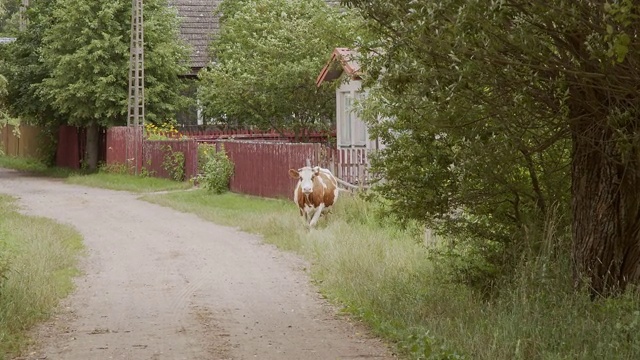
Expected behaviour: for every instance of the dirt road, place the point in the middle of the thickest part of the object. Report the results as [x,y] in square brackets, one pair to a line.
[160,284]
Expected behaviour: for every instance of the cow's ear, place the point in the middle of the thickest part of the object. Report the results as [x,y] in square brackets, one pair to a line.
[294,174]
[316,170]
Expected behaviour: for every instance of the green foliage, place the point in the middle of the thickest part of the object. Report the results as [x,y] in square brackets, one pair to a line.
[25,67]
[174,163]
[268,54]
[478,146]
[9,11]
[3,102]
[73,62]
[215,169]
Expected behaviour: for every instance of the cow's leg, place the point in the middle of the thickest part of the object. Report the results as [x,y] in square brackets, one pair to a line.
[316,216]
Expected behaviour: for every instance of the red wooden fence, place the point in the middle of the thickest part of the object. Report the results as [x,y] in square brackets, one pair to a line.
[72,145]
[157,153]
[124,146]
[262,168]
[68,152]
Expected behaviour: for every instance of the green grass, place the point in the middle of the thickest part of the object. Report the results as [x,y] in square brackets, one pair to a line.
[37,263]
[382,274]
[127,182]
[34,167]
[100,179]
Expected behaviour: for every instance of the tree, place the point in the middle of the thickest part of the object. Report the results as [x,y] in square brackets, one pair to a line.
[25,68]
[9,11]
[267,56]
[526,93]
[86,49]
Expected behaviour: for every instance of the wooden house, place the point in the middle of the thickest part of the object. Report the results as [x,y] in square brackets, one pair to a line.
[351,131]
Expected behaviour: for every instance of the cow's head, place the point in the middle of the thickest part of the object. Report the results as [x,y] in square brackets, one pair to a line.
[305,176]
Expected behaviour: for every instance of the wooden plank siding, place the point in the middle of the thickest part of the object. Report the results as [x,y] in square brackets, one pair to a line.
[26,141]
[261,168]
[122,143]
[156,152]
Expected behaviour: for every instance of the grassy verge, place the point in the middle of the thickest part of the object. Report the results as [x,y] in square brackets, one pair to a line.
[37,262]
[127,182]
[100,179]
[34,167]
[382,274]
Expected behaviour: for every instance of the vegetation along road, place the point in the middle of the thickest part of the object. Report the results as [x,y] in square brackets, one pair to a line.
[161,284]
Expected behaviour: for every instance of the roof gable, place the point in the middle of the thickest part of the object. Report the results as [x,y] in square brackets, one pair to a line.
[343,60]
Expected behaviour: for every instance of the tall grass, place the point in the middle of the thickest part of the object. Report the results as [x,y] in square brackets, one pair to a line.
[383,275]
[38,260]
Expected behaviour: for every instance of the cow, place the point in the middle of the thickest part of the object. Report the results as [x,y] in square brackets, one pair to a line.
[316,190]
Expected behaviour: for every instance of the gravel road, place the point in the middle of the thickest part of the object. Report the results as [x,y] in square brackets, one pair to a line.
[160,284]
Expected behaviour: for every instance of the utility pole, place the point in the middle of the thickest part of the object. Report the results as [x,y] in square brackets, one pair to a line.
[22,21]
[135,118]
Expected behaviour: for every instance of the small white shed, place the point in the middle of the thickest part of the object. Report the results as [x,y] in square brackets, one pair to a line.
[351,130]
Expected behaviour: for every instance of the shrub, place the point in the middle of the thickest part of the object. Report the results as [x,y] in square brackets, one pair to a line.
[215,169]
[174,162]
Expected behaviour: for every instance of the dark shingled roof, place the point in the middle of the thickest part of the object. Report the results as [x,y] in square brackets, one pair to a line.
[198,24]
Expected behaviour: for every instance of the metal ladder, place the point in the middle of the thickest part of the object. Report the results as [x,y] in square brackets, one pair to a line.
[135,118]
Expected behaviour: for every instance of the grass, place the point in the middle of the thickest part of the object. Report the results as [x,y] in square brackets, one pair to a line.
[34,167]
[126,182]
[381,274]
[37,263]
[99,179]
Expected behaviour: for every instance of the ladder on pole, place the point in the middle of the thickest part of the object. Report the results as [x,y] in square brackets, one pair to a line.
[22,20]
[135,117]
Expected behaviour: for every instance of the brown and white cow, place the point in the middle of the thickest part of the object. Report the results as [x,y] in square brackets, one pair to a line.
[316,191]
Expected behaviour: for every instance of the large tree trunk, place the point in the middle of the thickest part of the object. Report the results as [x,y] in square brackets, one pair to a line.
[606,209]
[91,151]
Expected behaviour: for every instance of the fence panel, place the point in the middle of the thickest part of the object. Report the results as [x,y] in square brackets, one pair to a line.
[350,165]
[262,168]
[68,152]
[158,155]
[121,145]
[28,141]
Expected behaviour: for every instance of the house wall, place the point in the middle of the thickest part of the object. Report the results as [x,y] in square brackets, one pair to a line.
[352,131]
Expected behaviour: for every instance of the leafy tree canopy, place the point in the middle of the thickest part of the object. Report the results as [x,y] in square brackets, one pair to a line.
[25,69]
[267,57]
[501,109]
[86,50]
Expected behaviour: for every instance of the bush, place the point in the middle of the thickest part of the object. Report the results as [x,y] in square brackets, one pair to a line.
[174,163]
[215,169]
